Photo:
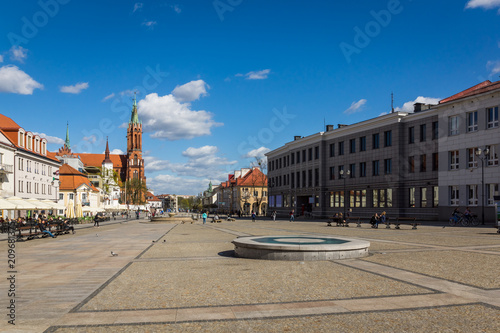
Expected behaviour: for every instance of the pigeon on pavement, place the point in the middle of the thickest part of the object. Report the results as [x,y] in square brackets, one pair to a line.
[114,254]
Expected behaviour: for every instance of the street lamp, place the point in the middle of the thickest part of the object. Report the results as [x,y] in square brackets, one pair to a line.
[482,156]
[344,176]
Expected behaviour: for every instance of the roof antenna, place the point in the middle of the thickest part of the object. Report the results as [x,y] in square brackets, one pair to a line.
[392,102]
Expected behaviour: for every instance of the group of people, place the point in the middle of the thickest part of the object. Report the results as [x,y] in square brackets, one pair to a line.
[376,219]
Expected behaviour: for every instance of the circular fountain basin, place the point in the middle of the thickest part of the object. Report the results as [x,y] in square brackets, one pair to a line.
[300,248]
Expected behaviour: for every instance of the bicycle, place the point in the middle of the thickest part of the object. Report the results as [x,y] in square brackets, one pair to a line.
[473,220]
[457,219]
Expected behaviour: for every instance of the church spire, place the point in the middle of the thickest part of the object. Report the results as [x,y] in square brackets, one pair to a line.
[66,143]
[134,119]
[106,153]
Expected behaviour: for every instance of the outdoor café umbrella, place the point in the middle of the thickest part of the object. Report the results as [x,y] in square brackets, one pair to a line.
[53,204]
[39,204]
[6,205]
[21,204]
[70,210]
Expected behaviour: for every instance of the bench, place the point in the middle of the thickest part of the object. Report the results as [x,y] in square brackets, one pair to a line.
[230,219]
[341,223]
[216,220]
[402,220]
[30,232]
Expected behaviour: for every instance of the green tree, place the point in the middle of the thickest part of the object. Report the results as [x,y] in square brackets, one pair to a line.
[136,190]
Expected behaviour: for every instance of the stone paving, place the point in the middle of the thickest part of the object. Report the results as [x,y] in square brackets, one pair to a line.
[183,277]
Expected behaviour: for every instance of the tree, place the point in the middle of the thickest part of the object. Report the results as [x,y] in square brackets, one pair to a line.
[136,190]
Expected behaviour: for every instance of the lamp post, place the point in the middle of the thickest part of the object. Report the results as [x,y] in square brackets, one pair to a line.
[344,176]
[482,156]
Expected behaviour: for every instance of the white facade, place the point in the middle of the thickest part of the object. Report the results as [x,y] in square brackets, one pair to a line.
[7,152]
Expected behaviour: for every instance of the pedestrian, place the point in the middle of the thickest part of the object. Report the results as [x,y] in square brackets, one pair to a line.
[383,218]
[374,220]
[292,216]
[204,216]
[274,216]
[253,216]
[96,220]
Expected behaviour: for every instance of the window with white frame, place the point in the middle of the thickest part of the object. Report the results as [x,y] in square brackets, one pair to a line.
[50,189]
[71,196]
[453,125]
[37,144]
[492,157]
[471,157]
[472,121]
[454,195]
[61,196]
[44,148]
[492,117]
[412,197]
[454,160]
[491,192]
[472,195]
[21,138]
[29,140]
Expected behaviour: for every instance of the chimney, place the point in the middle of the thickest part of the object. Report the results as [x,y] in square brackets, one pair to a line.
[329,128]
[297,137]
[341,125]
[417,107]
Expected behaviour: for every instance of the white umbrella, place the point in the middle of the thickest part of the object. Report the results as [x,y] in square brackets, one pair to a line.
[70,210]
[39,204]
[21,204]
[53,204]
[6,205]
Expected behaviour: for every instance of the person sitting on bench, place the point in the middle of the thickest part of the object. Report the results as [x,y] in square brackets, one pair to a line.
[383,218]
[41,226]
[67,226]
[374,220]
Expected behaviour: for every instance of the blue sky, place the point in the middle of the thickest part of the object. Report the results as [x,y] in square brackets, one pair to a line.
[222,81]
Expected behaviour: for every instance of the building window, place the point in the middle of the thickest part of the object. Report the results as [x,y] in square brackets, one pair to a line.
[411,135]
[472,195]
[376,141]
[303,155]
[71,196]
[435,130]
[423,197]
[362,143]
[337,199]
[435,161]
[453,125]
[472,121]
[332,149]
[61,196]
[316,153]
[491,192]
[316,177]
[292,155]
[375,169]
[341,148]
[435,196]
[310,178]
[454,160]
[332,173]
[341,171]
[28,141]
[423,132]
[298,157]
[382,198]
[412,197]
[423,163]
[352,146]
[411,163]
[352,170]
[358,198]
[388,166]
[492,117]
[21,139]
[362,169]
[471,158]
[304,178]
[310,151]
[492,157]
[454,195]
[387,138]
[298,179]
[292,177]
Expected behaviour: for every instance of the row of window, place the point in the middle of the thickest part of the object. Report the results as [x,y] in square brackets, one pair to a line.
[491,159]
[33,143]
[423,163]
[472,121]
[472,194]
[32,187]
[423,132]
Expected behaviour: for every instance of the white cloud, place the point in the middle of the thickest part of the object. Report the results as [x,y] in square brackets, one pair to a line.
[493,67]
[50,139]
[108,97]
[127,92]
[408,106]
[176,8]
[137,6]
[485,4]
[167,118]
[257,153]
[200,152]
[1,58]
[92,139]
[74,89]
[356,107]
[18,53]
[179,185]
[191,91]
[256,75]
[149,24]
[14,80]
[116,151]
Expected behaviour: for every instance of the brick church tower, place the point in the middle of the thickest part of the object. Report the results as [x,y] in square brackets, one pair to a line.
[135,162]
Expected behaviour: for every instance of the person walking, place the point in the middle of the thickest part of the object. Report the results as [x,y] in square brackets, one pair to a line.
[383,219]
[292,216]
[96,220]
[253,216]
[204,216]
[274,216]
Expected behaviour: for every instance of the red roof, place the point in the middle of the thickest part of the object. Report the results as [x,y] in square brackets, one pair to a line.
[119,161]
[71,179]
[480,88]
[8,123]
[253,178]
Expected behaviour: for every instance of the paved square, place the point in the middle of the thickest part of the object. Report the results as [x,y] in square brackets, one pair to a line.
[170,278]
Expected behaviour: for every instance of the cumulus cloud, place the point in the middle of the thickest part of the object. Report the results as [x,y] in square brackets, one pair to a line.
[167,118]
[18,53]
[356,107]
[493,67]
[485,4]
[137,6]
[190,91]
[257,75]
[14,80]
[50,139]
[74,89]
[116,151]
[149,24]
[200,152]
[179,185]
[257,153]
[176,8]
[108,97]
[1,58]
[408,106]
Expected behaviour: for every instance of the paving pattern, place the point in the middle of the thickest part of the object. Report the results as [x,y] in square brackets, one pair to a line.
[183,277]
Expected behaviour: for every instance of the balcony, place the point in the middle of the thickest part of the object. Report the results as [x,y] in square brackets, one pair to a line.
[6,168]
